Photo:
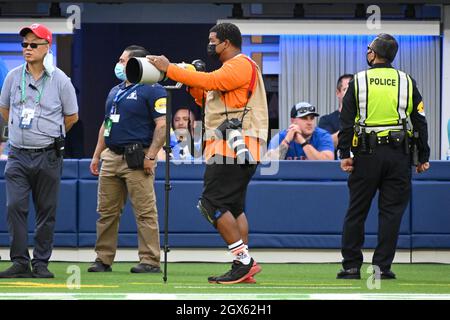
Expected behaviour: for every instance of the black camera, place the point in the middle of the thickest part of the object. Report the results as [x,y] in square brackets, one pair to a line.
[230,124]
[231,130]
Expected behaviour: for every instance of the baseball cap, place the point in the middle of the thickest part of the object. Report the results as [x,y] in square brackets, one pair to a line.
[303,109]
[39,30]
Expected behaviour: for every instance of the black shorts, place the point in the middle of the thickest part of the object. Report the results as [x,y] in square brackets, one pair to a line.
[225,187]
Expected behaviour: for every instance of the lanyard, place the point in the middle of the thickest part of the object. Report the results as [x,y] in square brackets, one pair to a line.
[120,95]
[23,96]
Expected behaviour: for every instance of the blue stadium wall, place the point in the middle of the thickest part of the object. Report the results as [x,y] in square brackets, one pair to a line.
[302,206]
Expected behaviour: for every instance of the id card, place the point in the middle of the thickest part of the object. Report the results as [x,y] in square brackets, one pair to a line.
[108,125]
[26,118]
[115,118]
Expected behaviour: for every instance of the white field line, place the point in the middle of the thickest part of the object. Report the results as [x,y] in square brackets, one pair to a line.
[227,296]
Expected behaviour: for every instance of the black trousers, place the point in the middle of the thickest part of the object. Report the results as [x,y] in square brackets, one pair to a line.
[40,173]
[388,170]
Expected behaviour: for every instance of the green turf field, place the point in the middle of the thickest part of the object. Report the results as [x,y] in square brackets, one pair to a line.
[188,281]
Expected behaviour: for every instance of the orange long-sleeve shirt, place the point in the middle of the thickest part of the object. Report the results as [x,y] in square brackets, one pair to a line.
[232,79]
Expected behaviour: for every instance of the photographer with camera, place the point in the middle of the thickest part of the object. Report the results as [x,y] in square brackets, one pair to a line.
[236,122]
[39,104]
[129,139]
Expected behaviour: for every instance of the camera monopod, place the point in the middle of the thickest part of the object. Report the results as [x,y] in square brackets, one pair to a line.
[167,185]
[139,70]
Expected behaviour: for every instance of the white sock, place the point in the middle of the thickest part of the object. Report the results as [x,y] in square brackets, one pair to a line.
[240,252]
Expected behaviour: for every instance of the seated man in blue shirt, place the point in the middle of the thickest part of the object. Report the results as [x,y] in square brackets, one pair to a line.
[302,140]
[330,122]
[184,137]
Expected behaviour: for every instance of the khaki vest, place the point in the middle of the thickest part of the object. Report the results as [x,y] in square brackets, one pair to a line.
[256,120]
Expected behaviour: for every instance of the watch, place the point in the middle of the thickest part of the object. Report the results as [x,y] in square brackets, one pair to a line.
[304,143]
[148,158]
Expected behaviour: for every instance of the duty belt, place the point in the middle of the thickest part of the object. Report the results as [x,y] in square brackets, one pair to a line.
[383,140]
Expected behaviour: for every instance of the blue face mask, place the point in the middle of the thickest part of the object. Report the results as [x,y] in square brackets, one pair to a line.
[119,70]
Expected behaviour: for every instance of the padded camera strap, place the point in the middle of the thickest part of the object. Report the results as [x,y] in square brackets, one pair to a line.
[249,90]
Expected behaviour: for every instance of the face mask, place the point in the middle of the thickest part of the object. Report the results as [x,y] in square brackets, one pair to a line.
[119,70]
[48,62]
[211,50]
[368,61]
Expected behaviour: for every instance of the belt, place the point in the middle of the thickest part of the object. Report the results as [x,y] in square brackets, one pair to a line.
[117,150]
[121,150]
[386,140]
[50,147]
[383,140]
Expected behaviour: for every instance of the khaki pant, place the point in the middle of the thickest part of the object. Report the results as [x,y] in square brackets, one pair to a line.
[115,182]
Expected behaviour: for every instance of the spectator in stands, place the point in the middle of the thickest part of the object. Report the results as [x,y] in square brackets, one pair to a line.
[128,141]
[4,150]
[184,139]
[236,90]
[302,140]
[3,72]
[330,122]
[40,104]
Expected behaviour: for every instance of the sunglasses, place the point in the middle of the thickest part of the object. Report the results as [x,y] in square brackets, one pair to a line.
[32,44]
[306,109]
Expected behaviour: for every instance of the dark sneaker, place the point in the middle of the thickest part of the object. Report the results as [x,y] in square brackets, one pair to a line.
[145,268]
[386,275]
[238,273]
[99,266]
[17,271]
[252,279]
[352,273]
[42,272]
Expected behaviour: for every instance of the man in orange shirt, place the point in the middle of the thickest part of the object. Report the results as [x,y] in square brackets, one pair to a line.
[235,93]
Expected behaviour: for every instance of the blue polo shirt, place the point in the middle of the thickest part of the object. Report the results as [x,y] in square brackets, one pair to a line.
[138,106]
[320,139]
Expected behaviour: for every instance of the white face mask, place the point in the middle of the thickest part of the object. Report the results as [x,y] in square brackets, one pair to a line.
[48,62]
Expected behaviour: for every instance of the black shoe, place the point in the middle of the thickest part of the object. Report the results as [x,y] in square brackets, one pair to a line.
[145,268]
[99,266]
[42,271]
[17,271]
[387,275]
[238,273]
[352,273]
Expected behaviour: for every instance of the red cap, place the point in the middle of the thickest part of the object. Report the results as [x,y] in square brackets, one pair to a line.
[39,30]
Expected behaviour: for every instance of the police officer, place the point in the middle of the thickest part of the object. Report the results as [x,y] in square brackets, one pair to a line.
[373,126]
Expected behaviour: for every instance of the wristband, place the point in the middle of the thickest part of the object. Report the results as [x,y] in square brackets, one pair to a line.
[148,158]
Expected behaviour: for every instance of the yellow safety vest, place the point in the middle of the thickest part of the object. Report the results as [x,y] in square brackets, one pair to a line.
[384,98]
